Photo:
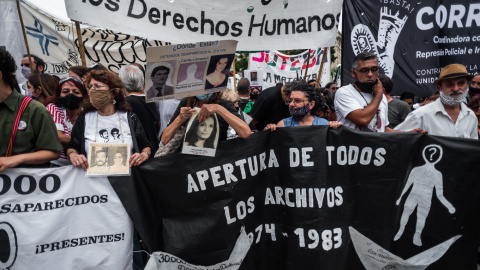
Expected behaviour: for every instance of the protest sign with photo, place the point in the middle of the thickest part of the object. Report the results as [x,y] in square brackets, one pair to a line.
[272,67]
[414,40]
[185,70]
[201,138]
[60,219]
[109,159]
[256,24]
[314,198]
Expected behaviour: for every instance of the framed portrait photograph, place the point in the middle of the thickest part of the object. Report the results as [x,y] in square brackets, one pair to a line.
[201,138]
[108,159]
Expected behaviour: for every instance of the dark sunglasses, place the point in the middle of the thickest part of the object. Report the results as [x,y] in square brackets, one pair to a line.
[367,70]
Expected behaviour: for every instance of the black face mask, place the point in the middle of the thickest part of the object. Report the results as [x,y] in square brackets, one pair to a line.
[71,101]
[365,87]
[474,91]
[253,95]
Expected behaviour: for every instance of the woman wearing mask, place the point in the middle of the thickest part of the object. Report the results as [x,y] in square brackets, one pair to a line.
[65,106]
[107,110]
[207,104]
[41,86]
[303,103]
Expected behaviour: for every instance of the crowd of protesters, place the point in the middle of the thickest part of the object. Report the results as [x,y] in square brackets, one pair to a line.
[97,105]
[50,122]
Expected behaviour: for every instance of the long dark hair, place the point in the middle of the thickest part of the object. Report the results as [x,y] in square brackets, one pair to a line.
[216,58]
[191,137]
[8,68]
[113,81]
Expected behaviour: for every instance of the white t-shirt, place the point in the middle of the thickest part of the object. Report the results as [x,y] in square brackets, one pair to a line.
[108,129]
[348,99]
[166,109]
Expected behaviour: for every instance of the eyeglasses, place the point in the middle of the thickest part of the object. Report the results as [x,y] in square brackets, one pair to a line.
[297,101]
[96,86]
[367,70]
[472,83]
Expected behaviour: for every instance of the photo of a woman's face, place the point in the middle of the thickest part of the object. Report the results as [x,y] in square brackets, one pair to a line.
[205,129]
[222,63]
[118,159]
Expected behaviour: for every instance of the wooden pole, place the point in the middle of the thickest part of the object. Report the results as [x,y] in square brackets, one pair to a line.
[25,37]
[306,69]
[234,77]
[80,44]
[319,75]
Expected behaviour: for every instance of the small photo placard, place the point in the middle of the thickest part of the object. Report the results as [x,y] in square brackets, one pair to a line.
[201,138]
[108,159]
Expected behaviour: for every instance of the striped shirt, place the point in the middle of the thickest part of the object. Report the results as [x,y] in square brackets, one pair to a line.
[62,122]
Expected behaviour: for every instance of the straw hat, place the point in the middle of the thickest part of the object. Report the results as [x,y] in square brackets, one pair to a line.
[453,71]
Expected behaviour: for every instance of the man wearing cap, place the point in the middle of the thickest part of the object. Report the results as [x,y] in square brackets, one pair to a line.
[448,115]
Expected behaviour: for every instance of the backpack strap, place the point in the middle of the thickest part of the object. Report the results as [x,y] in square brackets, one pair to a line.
[23,107]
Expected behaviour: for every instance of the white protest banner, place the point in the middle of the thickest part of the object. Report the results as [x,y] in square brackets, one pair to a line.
[56,42]
[190,69]
[60,219]
[256,24]
[271,67]
[164,261]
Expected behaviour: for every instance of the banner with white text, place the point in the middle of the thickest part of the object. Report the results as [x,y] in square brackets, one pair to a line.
[271,67]
[256,24]
[414,40]
[61,219]
[313,198]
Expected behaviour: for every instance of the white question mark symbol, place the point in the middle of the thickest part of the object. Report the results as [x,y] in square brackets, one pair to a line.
[433,151]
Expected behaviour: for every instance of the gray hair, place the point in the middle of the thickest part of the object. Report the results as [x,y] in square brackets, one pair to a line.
[132,78]
[364,56]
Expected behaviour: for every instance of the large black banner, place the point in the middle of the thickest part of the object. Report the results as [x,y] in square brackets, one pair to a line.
[299,191]
[413,39]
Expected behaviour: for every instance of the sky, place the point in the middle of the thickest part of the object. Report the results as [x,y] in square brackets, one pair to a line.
[56,8]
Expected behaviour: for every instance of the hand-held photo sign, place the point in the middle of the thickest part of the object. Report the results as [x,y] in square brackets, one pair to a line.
[190,69]
[201,138]
[108,159]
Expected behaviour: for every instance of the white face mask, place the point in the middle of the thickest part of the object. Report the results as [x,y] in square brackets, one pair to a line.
[26,72]
[453,101]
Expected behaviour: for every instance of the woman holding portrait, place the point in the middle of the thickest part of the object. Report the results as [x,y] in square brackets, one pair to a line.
[207,105]
[106,109]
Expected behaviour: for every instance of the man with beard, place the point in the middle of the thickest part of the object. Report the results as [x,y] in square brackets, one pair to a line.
[447,116]
[101,162]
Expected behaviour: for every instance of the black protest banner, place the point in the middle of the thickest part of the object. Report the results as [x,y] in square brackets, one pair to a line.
[298,190]
[413,39]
